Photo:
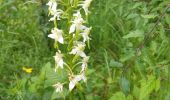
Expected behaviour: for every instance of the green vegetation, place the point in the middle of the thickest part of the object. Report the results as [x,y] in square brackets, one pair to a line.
[129,51]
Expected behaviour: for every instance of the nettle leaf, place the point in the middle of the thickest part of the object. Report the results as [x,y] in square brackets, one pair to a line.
[129,97]
[47,94]
[167,18]
[59,96]
[136,92]
[45,70]
[118,96]
[52,77]
[136,5]
[125,85]
[134,34]
[149,16]
[114,63]
[121,96]
[148,86]
[127,55]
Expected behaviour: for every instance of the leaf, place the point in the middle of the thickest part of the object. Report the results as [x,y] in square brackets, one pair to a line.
[59,96]
[129,97]
[136,5]
[127,55]
[157,84]
[45,70]
[134,34]
[136,92]
[114,63]
[118,96]
[148,86]
[47,94]
[125,85]
[167,19]
[149,16]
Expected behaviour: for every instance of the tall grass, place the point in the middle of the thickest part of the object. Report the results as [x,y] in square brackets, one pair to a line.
[22,41]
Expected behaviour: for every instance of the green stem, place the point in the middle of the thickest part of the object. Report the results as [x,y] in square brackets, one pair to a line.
[76,64]
[107,64]
[55,23]
[69,69]
[71,96]
[75,3]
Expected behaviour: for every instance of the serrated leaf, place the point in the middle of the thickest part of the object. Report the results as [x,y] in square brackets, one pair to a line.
[134,34]
[59,96]
[114,63]
[129,97]
[118,96]
[167,19]
[149,16]
[47,94]
[148,86]
[128,55]
[136,92]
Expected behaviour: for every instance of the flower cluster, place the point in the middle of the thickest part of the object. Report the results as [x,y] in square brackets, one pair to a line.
[77,37]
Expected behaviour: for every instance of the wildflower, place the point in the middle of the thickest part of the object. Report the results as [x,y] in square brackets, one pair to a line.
[59,87]
[27,70]
[77,28]
[84,63]
[53,10]
[75,79]
[57,15]
[85,5]
[57,35]
[59,60]
[85,34]
[52,6]
[79,49]
[77,22]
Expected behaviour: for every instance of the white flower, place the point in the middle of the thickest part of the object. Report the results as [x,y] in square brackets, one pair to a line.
[59,60]
[84,63]
[85,5]
[79,49]
[53,10]
[57,35]
[77,22]
[85,34]
[75,79]
[59,87]
[52,6]
[57,15]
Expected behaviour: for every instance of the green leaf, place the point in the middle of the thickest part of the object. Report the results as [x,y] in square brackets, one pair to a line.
[45,70]
[149,16]
[48,93]
[157,84]
[127,56]
[59,96]
[148,86]
[114,63]
[125,85]
[167,18]
[129,97]
[134,34]
[118,96]
[136,92]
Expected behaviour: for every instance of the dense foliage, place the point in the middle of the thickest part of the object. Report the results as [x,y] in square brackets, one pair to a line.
[130,51]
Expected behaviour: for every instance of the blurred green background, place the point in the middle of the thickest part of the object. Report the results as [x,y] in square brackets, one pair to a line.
[130,51]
